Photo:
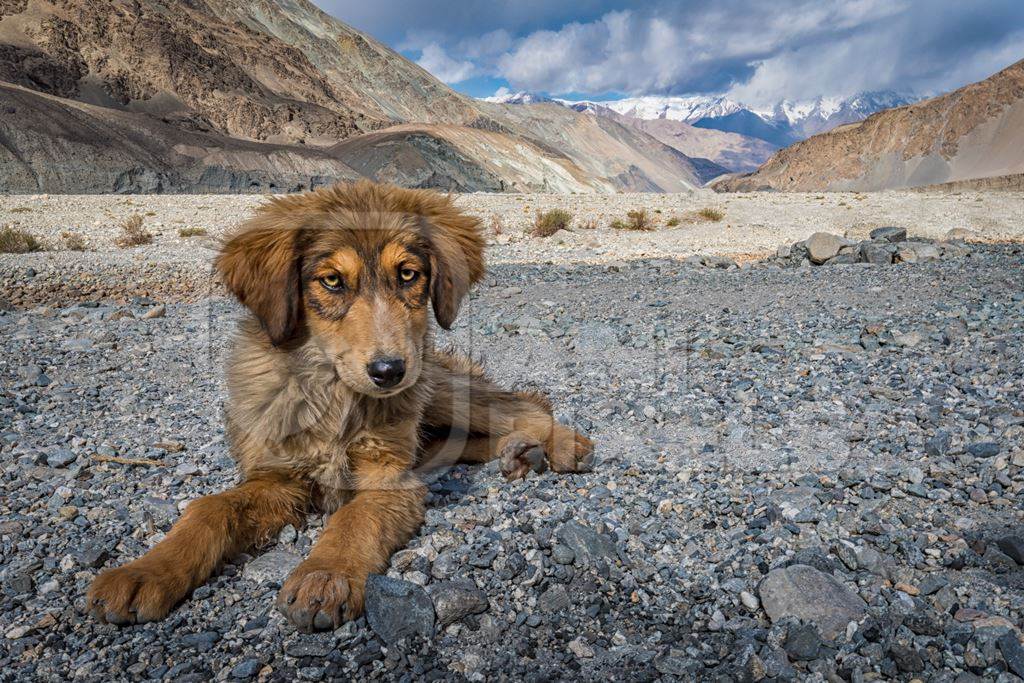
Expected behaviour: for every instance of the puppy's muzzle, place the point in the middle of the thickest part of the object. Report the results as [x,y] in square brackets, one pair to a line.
[386,372]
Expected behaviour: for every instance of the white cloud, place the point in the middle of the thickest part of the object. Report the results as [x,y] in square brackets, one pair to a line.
[753,51]
[434,59]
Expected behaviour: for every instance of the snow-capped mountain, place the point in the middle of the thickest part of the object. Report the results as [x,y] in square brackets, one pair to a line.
[782,124]
[506,96]
[687,109]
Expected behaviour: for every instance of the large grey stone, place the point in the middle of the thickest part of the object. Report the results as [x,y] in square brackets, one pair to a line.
[821,246]
[456,599]
[585,542]
[876,254]
[889,234]
[271,568]
[396,609]
[804,592]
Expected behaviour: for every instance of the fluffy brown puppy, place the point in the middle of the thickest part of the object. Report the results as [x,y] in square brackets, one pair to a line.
[336,395]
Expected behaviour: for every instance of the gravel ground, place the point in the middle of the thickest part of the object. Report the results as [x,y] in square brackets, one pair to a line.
[805,473]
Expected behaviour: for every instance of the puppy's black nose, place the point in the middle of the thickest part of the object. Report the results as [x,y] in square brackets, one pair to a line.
[386,372]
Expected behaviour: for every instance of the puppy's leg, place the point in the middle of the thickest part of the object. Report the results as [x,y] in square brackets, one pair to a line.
[212,529]
[384,512]
[517,427]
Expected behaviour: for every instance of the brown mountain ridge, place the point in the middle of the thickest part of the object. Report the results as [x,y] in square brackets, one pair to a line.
[972,133]
[227,96]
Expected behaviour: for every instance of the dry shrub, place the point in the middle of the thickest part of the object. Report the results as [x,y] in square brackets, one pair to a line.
[132,233]
[15,241]
[547,223]
[672,222]
[635,220]
[710,214]
[192,232]
[73,241]
[497,226]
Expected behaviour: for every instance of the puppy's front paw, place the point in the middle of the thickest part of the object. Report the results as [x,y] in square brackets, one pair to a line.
[519,455]
[137,592]
[570,451]
[318,597]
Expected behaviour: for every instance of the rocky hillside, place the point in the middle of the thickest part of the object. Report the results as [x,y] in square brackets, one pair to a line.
[143,95]
[727,152]
[974,132]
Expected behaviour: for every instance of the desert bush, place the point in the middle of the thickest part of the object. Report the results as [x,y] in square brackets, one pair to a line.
[635,220]
[15,241]
[672,222]
[547,223]
[20,209]
[192,232]
[710,214]
[497,225]
[132,233]
[73,241]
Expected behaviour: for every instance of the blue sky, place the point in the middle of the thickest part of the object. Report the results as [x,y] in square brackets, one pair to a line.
[754,51]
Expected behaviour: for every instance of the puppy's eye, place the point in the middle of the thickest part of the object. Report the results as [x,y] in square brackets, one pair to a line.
[332,282]
[408,275]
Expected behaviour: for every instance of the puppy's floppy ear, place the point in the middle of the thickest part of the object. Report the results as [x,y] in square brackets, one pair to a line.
[260,265]
[456,259]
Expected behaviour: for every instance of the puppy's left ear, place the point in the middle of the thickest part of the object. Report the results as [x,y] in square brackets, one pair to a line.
[456,260]
[260,265]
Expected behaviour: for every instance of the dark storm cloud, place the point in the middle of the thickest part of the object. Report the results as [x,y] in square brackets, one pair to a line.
[756,51]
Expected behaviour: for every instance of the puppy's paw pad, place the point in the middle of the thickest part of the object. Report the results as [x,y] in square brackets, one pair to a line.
[133,594]
[519,457]
[320,598]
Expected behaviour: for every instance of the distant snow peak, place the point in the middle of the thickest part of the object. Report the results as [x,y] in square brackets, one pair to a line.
[505,96]
[675,108]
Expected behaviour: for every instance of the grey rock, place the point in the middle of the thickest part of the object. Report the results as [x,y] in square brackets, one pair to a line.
[821,246]
[876,254]
[1013,546]
[585,542]
[1013,653]
[554,599]
[984,449]
[246,669]
[397,609]
[804,592]
[889,234]
[938,445]
[907,658]
[454,600]
[271,567]
[803,643]
[562,554]
[61,457]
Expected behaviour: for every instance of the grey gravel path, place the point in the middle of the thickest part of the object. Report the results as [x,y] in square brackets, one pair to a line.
[804,474]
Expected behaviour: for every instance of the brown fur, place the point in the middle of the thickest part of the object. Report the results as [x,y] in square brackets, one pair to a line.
[324,277]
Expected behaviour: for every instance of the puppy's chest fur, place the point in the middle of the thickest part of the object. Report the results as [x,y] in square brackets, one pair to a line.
[288,411]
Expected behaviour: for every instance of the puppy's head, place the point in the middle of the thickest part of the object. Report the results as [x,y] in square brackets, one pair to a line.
[356,268]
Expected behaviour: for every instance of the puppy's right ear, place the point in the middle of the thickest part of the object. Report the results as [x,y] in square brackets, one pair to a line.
[260,264]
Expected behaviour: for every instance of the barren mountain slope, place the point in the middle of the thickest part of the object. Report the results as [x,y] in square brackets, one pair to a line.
[280,72]
[730,151]
[49,142]
[628,158]
[974,132]
[460,159]
[363,72]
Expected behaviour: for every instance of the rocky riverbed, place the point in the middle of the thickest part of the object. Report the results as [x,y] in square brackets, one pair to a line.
[804,473]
